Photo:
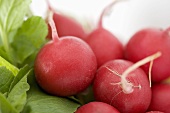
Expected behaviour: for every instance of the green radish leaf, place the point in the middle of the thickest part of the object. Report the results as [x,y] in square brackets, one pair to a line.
[18,90]
[29,38]
[12,13]
[6,77]
[3,53]
[30,60]
[5,106]
[0,41]
[40,102]
[22,72]
[9,66]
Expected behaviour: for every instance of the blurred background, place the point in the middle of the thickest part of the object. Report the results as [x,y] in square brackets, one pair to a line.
[126,18]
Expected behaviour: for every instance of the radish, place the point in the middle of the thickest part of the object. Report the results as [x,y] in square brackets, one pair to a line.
[155,112]
[147,41]
[97,107]
[65,66]
[65,25]
[123,85]
[104,44]
[160,98]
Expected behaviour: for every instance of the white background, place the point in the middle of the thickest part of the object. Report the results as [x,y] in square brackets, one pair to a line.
[126,18]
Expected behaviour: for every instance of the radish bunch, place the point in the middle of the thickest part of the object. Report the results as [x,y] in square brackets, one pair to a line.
[124,79]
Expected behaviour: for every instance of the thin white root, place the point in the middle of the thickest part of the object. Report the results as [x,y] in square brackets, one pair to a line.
[113,71]
[114,97]
[118,83]
[141,62]
[129,86]
[139,86]
[150,69]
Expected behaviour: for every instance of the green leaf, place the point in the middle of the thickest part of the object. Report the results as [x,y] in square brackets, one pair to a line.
[3,53]
[0,40]
[29,38]
[6,77]
[30,60]
[18,96]
[5,106]
[40,102]
[22,72]
[12,13]
[9,66]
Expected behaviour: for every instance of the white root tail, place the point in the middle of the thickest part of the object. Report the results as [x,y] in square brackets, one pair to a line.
[128,87]
[150,68]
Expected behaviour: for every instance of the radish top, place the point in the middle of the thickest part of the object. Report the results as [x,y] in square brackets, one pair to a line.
[52,25]
[106,11]
[66,26]
[167,32]
[49,6]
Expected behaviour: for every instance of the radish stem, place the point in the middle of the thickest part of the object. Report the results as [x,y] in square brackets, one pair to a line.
[53,27]
[106,11]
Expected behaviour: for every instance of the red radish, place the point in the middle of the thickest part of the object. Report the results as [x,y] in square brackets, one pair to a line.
[147,41]
[97,107]
[65,66]
[160,98]
[123,85]
[104,44]
[65,25]
[155,112]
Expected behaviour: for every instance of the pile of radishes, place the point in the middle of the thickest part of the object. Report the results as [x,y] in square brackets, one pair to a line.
[125,79]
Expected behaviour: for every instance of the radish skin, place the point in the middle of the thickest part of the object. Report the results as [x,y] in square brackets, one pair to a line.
[97,107]
[160,98]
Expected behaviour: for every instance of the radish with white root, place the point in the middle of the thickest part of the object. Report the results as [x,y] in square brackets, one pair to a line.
[124,85]
[160,98]
[105,45]
[146,42]
[65,66]
[97,107]
[66,26]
